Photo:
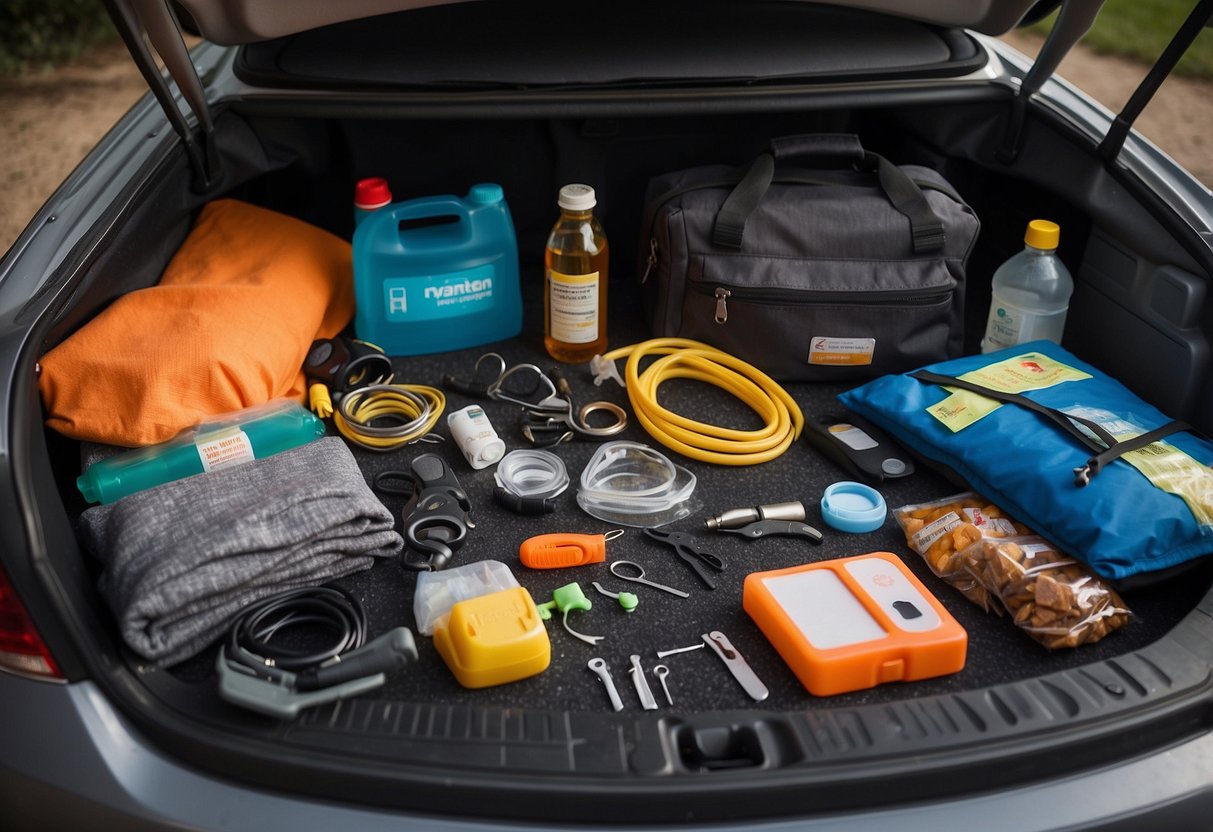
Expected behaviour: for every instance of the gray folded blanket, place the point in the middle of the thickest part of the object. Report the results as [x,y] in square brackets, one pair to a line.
[183,559]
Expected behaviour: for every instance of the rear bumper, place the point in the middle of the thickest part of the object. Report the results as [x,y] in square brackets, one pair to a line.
[69,760]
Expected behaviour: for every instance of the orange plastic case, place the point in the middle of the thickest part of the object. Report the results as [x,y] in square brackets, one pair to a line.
[494,639]
[562,549]
[855,623]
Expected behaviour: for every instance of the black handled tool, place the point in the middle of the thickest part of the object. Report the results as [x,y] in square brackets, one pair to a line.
[776,528]
[436,517]
[684,546]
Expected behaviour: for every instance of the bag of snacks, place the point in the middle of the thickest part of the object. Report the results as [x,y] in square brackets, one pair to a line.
[939,531]
[1000,565]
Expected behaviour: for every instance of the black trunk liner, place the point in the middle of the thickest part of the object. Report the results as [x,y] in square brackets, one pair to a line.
[997,651]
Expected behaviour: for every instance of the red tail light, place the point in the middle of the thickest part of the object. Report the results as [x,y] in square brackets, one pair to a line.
[22,650]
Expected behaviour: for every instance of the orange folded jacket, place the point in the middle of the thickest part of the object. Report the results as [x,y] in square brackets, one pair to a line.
[227,327]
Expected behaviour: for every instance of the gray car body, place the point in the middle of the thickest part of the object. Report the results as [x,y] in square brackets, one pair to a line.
[70,758]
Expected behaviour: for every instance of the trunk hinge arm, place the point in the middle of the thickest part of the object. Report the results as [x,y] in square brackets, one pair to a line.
[144,22]
[1073,21]
[1201,16]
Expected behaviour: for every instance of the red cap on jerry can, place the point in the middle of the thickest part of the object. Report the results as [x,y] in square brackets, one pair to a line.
[372,193]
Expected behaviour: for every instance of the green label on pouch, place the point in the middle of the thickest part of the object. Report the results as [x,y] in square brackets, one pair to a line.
[1030,371]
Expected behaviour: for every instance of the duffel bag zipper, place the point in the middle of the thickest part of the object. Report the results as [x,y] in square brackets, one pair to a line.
[925,297]
[652,259]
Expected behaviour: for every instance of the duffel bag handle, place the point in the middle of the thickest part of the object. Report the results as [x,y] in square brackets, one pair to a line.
[844,147]
[926,228]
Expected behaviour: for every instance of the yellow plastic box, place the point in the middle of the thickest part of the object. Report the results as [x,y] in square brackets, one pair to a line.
[494,639]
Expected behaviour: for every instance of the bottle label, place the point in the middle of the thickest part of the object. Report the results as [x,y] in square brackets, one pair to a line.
[437,296]
[573,307]
[225,449]
[1004,325]
[1009,325]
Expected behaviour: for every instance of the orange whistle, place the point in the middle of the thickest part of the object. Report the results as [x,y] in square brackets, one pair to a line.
[564,549]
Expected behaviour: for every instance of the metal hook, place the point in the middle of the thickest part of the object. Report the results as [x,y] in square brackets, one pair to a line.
[496,390]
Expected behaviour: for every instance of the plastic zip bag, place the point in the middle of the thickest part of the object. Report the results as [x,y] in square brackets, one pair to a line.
[998,564]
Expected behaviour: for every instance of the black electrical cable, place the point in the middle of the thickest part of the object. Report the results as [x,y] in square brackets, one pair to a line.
[330,608]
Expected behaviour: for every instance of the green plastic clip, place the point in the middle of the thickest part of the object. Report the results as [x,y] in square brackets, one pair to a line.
[628,601]
[566,598]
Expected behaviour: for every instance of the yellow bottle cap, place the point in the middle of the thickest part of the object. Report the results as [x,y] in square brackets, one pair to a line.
[1042,234]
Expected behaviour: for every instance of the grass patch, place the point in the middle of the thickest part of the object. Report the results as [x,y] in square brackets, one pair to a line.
[40,34]
[1141,30]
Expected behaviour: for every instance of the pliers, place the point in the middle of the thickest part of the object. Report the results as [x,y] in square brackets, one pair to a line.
[684,546]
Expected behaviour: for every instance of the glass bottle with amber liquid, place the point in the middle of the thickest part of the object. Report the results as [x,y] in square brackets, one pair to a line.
[575,270]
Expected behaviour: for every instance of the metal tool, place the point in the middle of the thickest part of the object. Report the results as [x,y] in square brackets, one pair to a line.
[661,654]
[684,546]
[642,684]
[771,520]
[776,528]
[640,579]
[663,673]
[735,518]
[737,665]
[599,666]
[557,418]
[551,412]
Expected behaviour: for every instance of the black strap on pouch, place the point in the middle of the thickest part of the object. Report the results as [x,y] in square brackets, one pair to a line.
[1106,448]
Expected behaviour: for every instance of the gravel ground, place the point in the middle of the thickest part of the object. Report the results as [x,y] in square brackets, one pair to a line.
[53,119]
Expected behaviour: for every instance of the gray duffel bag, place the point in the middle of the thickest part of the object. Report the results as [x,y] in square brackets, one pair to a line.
[850,270]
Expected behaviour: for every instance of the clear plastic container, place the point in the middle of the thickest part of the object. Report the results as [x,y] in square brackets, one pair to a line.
[576,268]
[437,592]
[630,484]
[1030,294]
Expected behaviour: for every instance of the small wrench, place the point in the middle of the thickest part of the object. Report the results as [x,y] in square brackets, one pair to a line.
[599,666]
[639,578]
[642,684]
[662,673]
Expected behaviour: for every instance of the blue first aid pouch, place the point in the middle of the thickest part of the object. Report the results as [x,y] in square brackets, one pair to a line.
[1062,447]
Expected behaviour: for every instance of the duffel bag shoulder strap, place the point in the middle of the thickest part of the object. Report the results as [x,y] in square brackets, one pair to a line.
[926,228]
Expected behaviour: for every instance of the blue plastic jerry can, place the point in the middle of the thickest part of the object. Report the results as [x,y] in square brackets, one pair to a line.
[437,273]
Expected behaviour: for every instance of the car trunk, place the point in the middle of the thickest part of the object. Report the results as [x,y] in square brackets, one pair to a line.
[550,747]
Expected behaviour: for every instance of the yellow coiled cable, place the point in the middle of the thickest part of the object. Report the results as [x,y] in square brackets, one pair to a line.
[684,358]
[413,409]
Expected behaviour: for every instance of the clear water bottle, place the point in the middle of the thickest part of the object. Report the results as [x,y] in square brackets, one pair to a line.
[1031,292]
